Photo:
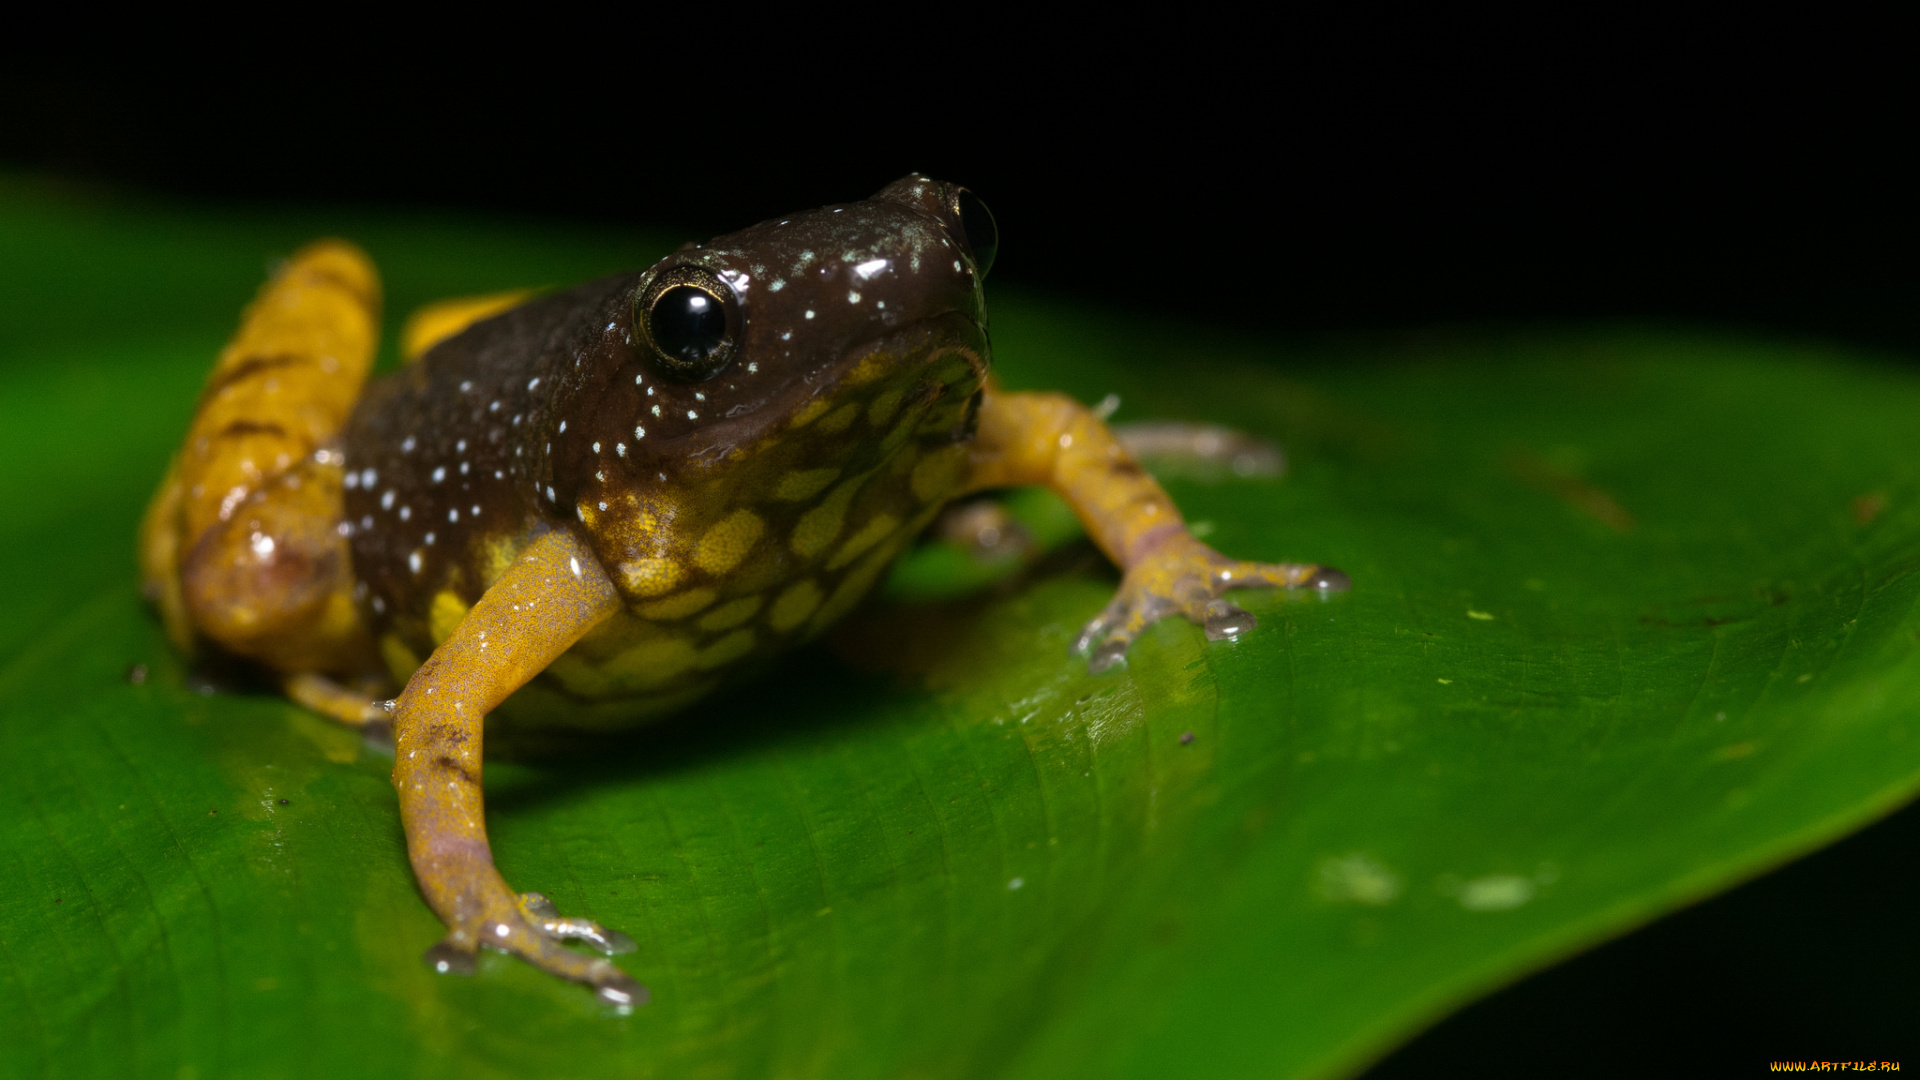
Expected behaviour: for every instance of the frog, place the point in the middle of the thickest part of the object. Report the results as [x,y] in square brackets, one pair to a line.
[597,505]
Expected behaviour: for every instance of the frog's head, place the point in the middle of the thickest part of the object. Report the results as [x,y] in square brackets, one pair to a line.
[750,334]
[766,368]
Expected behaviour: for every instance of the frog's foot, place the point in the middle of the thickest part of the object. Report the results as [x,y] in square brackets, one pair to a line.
[986,530]
[356,707]
[551,596]
[1200,451]
[529,927]
[561,928]
[1181,575]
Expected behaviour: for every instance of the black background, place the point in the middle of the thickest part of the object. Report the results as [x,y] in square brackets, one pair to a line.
[1364,178]
[1295,188]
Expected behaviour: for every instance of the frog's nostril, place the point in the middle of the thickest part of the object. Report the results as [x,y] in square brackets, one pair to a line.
[983,236]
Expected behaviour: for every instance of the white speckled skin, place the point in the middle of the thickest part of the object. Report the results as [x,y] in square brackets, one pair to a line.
[861,347]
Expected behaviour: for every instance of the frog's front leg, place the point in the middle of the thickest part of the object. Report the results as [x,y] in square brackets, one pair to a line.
[1052,440]
[551,596]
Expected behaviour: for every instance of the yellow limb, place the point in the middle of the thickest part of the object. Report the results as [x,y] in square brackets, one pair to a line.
[436,322]
[334,701]
[285,383]
[1054,441]
[274,581]
[545,602]
[281,390]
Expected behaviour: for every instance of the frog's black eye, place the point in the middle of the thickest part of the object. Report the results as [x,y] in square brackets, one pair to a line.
[688,324]
[691,320]
[977,222]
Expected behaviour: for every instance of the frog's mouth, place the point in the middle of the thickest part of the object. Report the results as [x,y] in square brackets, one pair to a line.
[919,380]
[904,373]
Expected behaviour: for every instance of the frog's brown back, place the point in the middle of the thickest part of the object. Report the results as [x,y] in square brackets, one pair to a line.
[738,507]
[443,468]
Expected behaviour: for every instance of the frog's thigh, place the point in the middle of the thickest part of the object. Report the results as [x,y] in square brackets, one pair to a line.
[274,581]
[277,396]
[545,602]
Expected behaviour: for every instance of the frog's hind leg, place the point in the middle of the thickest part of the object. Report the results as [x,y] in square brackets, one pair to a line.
[244,545]
[1200,451]
[436,322]
[985,529]
[1052,440]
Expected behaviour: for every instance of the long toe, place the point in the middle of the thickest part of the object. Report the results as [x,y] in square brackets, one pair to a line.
[1225,621]
[1328,580]
[1107,655]
[541,912]
[450,959]
[622,991]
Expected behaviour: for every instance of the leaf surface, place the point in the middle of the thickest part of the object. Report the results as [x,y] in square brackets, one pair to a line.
[1632,621]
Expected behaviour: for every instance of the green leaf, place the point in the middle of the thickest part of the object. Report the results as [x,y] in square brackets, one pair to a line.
[1632,620]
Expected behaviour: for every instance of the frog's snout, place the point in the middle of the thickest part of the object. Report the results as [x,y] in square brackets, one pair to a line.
[965,216]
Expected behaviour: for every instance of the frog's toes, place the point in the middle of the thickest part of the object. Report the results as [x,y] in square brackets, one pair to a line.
[1225,621]
[542,913]
[986,529]
[448,958]
[1187,577]
[1328,580]
[622,990]
[1200,451]
[528,927]
[1107,636]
